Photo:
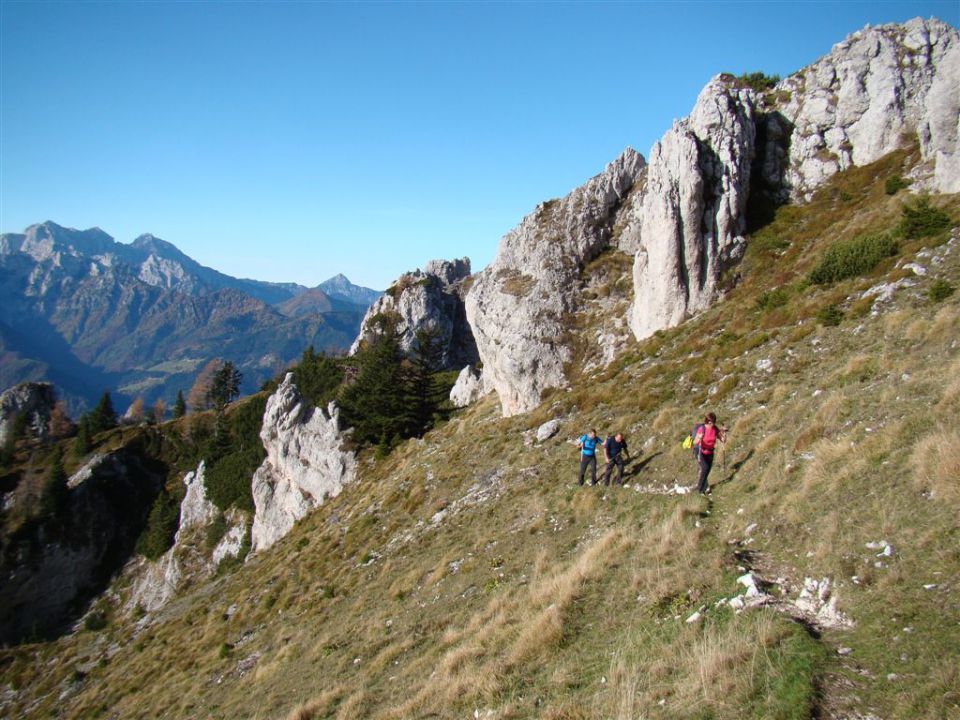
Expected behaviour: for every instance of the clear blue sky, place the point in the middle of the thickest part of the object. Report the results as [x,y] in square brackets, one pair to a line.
[290,141]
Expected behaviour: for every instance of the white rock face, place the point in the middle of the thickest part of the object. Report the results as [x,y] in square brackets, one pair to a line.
[428,299]
[157,582]
[516,305]
[468,388]
[691,216]
[35,399]
[305,463]
[878,90]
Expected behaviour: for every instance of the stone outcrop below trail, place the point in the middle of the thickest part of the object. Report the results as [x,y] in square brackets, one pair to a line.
[306,462]
[427,300]
[516,305]
[688,223]
[157,582]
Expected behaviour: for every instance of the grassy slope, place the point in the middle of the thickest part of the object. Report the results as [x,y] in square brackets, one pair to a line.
[466,573]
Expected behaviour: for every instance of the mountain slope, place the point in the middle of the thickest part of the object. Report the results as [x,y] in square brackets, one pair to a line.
[467,575]
[91,314]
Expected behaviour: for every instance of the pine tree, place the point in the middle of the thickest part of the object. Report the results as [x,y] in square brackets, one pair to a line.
[375,404]
[226,386]
[317,377]
[55,492]
[179,406]
[81,446]
[424,395]
[158,412]
[103,417]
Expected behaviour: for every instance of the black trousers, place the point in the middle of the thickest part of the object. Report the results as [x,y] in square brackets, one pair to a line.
[591,462]
[706,462]
[618,461]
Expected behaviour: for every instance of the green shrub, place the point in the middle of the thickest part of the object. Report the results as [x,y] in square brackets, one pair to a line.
[851,258]
[940,290]
[830,315]
[920,219]
[757,81]
[157,536]
[95,621]
[216,530]
[235,452]
[773,299]
[895,184]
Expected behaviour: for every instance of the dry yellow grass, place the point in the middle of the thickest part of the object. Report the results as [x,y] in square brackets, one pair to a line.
[936,465]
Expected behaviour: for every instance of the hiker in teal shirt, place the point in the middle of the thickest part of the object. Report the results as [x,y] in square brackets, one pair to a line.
[588,455]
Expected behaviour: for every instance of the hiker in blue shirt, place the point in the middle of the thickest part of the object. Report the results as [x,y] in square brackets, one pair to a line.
[612,448]
[588,455]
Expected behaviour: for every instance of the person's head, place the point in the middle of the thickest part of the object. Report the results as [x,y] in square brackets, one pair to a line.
[618,437]
[710,419]
[593,434]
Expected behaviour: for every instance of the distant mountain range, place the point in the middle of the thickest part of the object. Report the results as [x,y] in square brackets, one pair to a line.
[88,313]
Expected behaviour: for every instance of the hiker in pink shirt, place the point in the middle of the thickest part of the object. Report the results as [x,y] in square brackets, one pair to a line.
[708,435]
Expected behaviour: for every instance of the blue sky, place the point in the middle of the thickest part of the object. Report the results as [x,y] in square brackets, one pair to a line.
[291,141]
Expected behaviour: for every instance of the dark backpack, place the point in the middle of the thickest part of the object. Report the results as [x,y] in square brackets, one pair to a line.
[693,436]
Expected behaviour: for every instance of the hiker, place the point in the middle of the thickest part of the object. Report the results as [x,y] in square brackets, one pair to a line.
[588,455]
[612,448]
[705,443]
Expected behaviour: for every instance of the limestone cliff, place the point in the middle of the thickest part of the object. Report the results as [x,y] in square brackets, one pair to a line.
[690,219]
[517,304]
[190,559]
[429,299]
[878,90]
[306,462]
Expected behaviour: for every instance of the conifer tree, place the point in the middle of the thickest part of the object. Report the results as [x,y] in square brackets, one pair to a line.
[103,417]
[424,395]
[375,404]
[179,406]
[226,386]
[81,446]
[317,377]
[55,491]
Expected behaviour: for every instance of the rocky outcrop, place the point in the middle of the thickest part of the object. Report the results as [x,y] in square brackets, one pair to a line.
[189,560]
[426,300]
[306,463]
[690,219]
[517,304]
[36,400]
[468,388]
[51,566]
[880,89]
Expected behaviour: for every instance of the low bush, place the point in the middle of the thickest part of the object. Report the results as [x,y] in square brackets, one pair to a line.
[830,315]
[851,258]
[95,621]
[920,219]
[940,290]
[757,81]
[773,299]
[895,184]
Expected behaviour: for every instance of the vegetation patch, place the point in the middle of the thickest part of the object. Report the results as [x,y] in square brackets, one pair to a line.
[851,258]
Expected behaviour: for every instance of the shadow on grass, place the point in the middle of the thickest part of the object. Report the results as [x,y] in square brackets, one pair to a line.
[735,468]
[635,465]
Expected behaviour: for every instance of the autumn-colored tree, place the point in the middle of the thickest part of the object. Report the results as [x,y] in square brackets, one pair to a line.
[199,396]
[158,412]
[60,423]
[134,414]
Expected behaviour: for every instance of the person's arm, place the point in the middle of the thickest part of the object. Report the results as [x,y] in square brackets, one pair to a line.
[699,437]
[606,450]
[580,443]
